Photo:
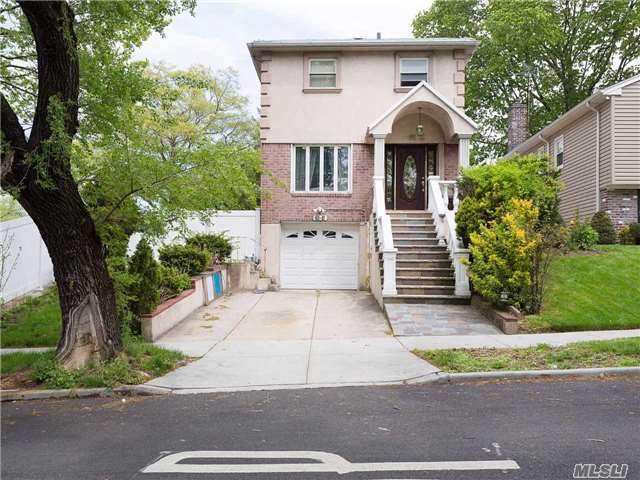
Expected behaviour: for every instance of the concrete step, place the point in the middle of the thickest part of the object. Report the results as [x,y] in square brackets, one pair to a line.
[422,255]
[417,237]
[418,271]
[400,263]
[440,299]
[409,214]
[420,280]
[421,248]
[417,222]
[412,242]
[420,231]
[425,289]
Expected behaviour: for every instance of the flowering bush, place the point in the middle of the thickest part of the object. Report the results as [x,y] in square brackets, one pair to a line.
[503,255]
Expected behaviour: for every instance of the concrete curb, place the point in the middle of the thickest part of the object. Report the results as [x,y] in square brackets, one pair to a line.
[444,377]
[125,390]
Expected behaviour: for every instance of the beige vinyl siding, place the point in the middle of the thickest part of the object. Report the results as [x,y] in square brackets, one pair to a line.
[605,144]
[626,135]
[579,170]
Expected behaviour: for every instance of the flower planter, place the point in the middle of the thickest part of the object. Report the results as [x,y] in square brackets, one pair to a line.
[505,319]
[171,312]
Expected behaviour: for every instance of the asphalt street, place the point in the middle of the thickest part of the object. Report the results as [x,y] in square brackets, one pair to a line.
[478,431]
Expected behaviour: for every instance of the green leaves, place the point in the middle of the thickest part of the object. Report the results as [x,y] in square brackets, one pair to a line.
[552,53]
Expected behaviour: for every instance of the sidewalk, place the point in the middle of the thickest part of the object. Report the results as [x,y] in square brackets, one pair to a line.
[511,341]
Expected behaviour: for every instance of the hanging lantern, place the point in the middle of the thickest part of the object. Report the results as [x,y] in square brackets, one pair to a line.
[419,126]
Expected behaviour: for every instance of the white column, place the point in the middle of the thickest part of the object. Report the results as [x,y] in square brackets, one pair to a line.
[378,155]
[463,153]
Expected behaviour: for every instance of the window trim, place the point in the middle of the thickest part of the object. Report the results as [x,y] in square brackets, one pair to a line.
[306,72]
[307,179]
[335,73]
[558,141]
[417,55]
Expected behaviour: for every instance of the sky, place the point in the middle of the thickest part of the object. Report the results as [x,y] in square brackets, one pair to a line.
[217,34]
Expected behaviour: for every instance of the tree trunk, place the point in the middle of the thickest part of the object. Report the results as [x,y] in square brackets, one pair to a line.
[38,174]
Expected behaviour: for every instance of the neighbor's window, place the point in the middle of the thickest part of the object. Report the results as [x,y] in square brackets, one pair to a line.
[412,71]
[558,151]
[323,73]
[321,168]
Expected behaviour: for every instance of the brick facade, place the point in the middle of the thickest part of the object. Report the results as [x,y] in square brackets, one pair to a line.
[280,205]
[621,205]
[450,161]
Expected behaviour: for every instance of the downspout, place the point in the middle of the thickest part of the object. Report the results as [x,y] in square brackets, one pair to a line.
[546,144]
[597,112]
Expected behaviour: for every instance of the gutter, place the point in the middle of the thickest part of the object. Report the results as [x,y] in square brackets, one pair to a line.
[597,112]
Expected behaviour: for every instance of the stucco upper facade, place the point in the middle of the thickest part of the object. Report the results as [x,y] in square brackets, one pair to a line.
[367,85]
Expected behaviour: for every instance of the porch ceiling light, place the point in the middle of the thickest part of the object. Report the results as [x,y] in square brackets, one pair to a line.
[419,126]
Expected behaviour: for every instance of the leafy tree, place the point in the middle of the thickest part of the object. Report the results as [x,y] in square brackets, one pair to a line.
[189,147]
[552,53]
[66,64]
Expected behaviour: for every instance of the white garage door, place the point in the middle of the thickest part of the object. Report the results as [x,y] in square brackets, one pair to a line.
[319,256]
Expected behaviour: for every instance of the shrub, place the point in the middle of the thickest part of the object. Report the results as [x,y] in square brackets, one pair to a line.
[172,282]
[582,236]
[626,236]
[185,258]
[634,233]
[601,223]
[503,255]
[217,244]
[145,289]
[487,190]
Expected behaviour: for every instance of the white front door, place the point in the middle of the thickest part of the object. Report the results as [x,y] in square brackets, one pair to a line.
[319,256]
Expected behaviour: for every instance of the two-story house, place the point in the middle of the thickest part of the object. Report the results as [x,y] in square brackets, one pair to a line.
[596,147]
[362,140]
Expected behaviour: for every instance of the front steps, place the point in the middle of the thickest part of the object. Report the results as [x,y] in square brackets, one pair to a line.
[424,271]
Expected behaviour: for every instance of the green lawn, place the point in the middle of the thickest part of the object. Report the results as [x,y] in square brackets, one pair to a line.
[606,353]
[35,323]
[592,292]
[137,363]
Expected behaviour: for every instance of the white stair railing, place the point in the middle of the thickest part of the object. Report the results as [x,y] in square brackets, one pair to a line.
[443,204]
[385,238]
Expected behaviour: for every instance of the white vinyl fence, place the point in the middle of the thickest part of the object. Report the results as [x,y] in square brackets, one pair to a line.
[241,226]
[25,265]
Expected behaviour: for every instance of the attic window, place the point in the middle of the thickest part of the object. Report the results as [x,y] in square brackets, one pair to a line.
[412,71]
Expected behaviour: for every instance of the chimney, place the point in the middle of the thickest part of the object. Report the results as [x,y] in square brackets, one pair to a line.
[518,123]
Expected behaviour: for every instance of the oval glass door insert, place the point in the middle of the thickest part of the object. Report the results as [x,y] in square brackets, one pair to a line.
[410,177]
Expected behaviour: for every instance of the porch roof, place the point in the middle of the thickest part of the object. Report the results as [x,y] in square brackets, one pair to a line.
[458,122]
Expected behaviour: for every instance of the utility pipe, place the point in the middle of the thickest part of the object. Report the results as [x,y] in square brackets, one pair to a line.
[597,112]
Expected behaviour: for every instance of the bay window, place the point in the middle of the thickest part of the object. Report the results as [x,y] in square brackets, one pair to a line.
[321,168]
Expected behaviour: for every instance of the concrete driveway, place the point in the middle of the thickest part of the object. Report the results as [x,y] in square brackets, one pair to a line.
[289,339]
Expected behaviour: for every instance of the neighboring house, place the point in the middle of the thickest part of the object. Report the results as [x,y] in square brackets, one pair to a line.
[596,145]
[351,131]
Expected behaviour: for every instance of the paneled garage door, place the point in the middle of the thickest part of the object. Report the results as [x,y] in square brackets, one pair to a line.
[319,256]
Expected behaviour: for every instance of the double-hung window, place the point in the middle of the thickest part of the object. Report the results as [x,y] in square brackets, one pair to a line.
[321,168]
[558,151]
[412,71]
[323,73]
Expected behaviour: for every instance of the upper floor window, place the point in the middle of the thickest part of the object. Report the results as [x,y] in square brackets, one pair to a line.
[321,168]
[412,71]
[323,73]
[558,151]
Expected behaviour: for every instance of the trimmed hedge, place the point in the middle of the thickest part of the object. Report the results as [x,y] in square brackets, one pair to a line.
[185,258]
